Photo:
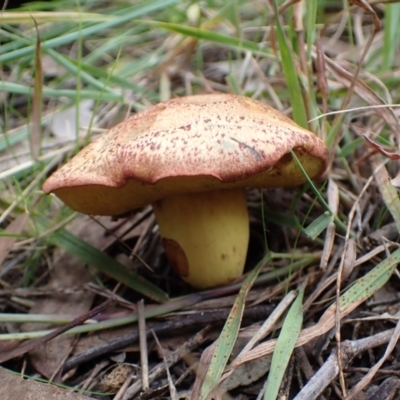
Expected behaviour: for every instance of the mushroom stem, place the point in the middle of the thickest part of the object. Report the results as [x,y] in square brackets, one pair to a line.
[205,235]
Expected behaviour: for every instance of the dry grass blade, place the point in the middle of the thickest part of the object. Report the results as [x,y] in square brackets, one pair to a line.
[354,79]
[367,7]
[348,247]
[390,155]
[322,82]
[344,73]
[388,191]
[389,194]
[333,202]
[172,389]
[21,17]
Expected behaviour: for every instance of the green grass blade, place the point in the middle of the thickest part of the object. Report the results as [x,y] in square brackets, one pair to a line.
[123,16]
[225,40]
[227,338]
[367,285]
[337,221]
[89,254]
[290,71]
[17,88]
[311,16]
[318,225]
[75,69]
[391,39]
[284,347]
[151,312]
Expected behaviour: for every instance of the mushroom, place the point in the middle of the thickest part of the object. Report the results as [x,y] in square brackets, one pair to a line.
[191,158]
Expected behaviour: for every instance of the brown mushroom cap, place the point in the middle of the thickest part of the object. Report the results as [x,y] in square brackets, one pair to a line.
[189,144]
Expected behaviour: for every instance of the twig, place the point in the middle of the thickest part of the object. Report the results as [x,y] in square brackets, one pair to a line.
[189,321]
[367,378]
[328,372]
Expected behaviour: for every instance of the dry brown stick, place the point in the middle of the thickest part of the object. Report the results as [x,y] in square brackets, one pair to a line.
[369,376]
[329,370]
[202,318]
[388,390]
[382,371]
[122,390]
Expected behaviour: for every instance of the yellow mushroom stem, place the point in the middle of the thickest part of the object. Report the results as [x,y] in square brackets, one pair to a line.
[205,235]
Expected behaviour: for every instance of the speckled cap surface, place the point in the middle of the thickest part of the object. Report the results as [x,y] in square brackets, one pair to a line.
[189,144]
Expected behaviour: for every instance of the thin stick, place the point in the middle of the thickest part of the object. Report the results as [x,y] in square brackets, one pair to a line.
[329,370]
[172,389]
[143,345]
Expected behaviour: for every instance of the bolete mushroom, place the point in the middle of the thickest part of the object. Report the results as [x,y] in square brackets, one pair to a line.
[191,158]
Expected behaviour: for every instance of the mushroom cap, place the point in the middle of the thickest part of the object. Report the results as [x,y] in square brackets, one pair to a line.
[189,144]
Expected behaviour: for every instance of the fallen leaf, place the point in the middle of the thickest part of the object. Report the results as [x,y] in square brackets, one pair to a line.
[13,387]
